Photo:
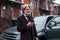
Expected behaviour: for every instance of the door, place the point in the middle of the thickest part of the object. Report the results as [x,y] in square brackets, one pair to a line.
[53,29]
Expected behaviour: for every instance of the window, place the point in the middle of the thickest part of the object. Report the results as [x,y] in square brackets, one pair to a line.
[57,19]
[55,22]
[30,1]
[22,1]
[36,4]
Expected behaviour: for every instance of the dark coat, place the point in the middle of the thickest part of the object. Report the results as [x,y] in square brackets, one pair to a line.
[27,33]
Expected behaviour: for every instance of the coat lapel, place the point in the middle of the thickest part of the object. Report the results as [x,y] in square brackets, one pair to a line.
[24,19]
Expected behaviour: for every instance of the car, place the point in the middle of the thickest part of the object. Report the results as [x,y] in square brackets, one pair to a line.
[53,32]
[40,23]
[44,27]
[11,34]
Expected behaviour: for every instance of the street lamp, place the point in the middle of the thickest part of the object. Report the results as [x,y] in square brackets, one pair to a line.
[4,8]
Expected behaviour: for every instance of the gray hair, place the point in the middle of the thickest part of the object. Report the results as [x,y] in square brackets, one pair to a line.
[24,7]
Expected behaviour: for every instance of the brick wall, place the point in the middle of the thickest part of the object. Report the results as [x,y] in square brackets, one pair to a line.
[59,11]
[5,19]
[35,10]
[16,11]
[52,9]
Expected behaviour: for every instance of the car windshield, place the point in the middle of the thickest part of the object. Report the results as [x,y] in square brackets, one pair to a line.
[54,23]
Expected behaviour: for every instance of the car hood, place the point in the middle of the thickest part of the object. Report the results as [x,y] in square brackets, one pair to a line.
[12,30]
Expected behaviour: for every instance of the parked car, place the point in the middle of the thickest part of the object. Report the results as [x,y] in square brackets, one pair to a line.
[53,33]
[11,34]
[47,29]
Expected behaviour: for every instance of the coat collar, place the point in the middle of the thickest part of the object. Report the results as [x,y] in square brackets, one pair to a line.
[24,18]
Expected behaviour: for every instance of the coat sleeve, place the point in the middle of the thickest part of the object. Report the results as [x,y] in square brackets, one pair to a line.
[35,32]
[20,26]
[34,28]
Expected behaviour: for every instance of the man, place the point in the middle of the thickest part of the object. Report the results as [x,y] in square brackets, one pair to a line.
[25,25]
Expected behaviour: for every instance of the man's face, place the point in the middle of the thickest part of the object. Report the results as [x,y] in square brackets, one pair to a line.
[27,10]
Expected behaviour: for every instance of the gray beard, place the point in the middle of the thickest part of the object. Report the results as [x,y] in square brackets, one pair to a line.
[29,14]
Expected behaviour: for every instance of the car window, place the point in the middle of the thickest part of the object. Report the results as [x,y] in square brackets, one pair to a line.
[57,20]
[55,23]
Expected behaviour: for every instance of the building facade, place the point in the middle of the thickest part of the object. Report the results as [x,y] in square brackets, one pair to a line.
[9,12]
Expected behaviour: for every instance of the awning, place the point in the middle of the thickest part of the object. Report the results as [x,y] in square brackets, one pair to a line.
[11,2]
[15,2]
[44,10]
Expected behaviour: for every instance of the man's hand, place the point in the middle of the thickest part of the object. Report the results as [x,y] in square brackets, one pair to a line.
[30,24]
[37,38]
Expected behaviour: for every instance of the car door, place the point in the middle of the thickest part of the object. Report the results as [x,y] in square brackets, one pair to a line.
[40,24]
[53,29]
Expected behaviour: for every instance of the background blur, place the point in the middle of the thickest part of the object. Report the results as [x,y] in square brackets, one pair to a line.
[10,10]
